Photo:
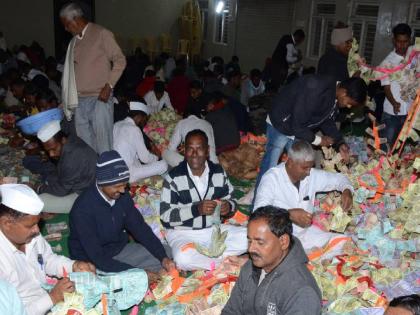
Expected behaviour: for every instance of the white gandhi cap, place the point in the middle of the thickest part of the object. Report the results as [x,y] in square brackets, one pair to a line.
[48,130]
[140,106]
[21,198]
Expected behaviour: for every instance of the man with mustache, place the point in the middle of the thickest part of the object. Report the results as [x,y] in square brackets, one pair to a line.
[191,194]
[100,221]
[303,107]
[26,259]
[293,186]
[74,171]
[276,281]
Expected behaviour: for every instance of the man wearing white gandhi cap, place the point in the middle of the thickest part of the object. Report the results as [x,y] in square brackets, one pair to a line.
[129,142]
[73,172]
[26,258]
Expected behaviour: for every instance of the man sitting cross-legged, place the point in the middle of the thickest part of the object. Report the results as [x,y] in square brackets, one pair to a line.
[189,198]
[101,217]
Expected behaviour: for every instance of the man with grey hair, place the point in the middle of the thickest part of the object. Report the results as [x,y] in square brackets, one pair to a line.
[94,63]
[293,186]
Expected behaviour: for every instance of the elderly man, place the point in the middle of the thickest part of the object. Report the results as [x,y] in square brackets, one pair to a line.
[276,280]
[73,172]
[293,186]
[334,62]
[304,106]
[94,63]
[26,259]
[191,193]
[129,143]
[181,130]
[100,221]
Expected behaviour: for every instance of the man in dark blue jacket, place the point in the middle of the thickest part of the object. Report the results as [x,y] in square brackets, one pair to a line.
[101,217]
[305,106]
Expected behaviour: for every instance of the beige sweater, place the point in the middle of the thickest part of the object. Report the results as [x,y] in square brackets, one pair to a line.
[97,60]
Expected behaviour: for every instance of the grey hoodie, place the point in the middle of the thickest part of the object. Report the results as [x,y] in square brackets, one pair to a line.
[290,289]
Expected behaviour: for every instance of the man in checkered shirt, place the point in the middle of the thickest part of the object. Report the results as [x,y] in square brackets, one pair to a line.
[191,192]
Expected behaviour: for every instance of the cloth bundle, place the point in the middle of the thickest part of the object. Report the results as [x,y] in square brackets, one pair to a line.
[126,288]
[160,127]
[241,162]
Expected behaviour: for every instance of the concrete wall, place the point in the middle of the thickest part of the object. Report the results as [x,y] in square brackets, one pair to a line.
[137,19]
[254,30]
[260,27]
[23,21]
[210,48]
[391,12]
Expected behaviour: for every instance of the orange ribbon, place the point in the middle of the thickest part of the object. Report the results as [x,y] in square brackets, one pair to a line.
[333,243]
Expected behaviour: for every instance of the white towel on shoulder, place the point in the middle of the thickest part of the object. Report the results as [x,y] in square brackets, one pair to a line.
[68,83]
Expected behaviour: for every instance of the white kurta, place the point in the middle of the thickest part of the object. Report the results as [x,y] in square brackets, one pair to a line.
[24,271]
[181,130]
[155,104]
[390,61]
[129,143]
[276,189]
[190,259]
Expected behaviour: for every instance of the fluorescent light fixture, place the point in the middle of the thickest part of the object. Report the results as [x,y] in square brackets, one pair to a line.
[219,7]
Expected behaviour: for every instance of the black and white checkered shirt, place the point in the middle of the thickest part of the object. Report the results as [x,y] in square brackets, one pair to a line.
[180,198]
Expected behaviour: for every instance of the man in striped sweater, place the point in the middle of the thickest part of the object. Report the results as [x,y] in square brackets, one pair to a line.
[191,193]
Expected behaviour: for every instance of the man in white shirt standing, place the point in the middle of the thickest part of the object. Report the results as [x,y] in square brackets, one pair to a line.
[395,108]
[26,258]
[181,130]
[129,143]
[293,186]
[158,98]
